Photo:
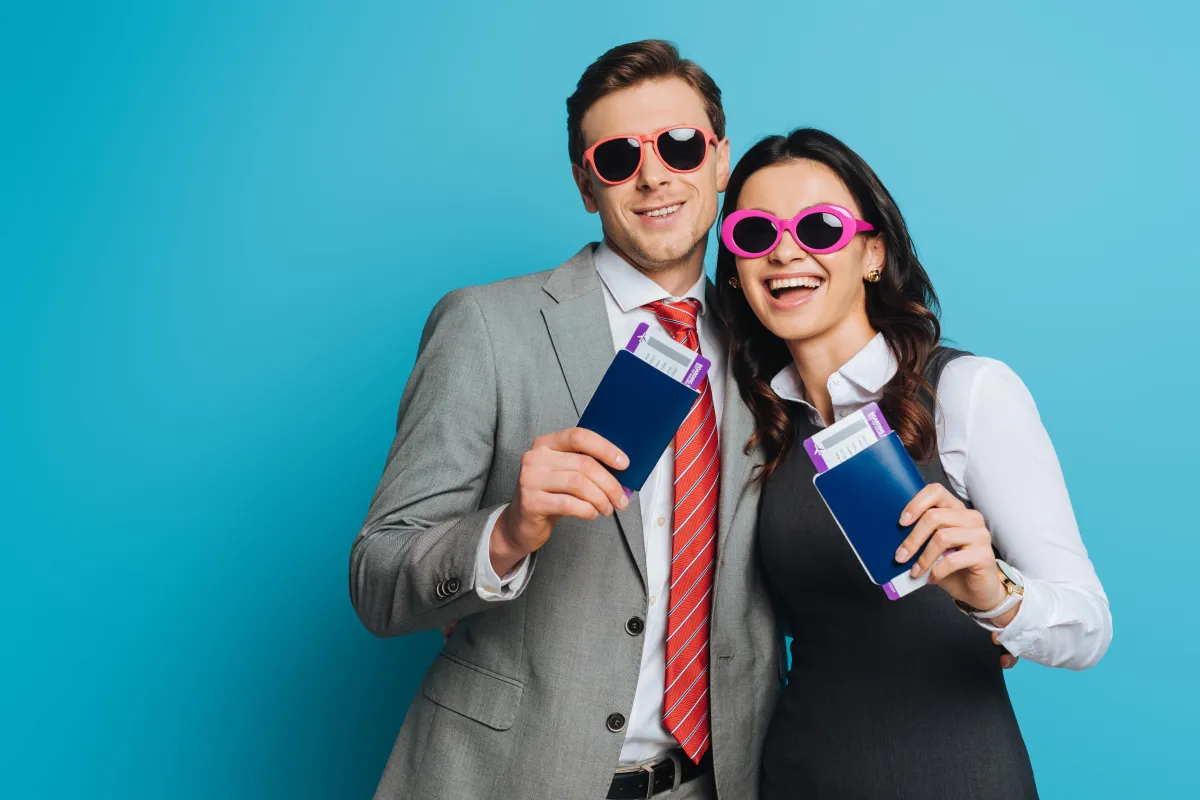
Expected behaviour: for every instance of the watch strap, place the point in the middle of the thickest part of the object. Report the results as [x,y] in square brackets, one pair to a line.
[1005,605]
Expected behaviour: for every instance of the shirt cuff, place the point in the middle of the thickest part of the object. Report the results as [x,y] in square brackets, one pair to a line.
[1027,626]
[489,585]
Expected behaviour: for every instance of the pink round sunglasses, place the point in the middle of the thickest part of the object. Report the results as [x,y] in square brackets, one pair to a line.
[826,228]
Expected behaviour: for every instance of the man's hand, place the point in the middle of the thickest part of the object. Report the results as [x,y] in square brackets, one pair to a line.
[562,475]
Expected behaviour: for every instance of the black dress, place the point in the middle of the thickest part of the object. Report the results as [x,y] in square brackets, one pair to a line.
[884,699]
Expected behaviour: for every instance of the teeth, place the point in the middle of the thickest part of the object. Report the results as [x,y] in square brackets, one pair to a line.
[808,281]
[662,212]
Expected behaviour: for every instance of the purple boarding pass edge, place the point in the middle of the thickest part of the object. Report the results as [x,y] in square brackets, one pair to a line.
[815,455]
[696,373]
[875,420]
[904,584]
[636,339]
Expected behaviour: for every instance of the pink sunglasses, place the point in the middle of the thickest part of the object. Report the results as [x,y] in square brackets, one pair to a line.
[681,148]
[751,233]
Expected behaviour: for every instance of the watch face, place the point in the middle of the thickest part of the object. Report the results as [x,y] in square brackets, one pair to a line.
[1010,573]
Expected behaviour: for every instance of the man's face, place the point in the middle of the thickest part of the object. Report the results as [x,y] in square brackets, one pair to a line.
[654,243]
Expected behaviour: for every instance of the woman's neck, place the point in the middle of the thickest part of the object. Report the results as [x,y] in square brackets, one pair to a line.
[819,357]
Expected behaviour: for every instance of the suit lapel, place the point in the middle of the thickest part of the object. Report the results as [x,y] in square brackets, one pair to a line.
[582,338]
[737,424]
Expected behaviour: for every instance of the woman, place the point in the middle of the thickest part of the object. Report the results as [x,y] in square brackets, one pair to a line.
[829,309]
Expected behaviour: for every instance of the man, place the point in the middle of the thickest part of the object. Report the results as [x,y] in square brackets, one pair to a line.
[629,648]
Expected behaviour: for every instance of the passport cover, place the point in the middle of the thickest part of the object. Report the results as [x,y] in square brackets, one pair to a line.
[638,409]
[866,495]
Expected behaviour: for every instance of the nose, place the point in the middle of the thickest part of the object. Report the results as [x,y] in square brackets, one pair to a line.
[787,251]
[653,172]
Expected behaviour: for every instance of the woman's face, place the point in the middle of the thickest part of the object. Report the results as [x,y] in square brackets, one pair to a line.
[830,290]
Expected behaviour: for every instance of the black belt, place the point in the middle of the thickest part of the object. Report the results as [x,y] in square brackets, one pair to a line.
[630,785]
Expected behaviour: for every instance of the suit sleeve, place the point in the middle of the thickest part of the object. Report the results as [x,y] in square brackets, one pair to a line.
[413,566]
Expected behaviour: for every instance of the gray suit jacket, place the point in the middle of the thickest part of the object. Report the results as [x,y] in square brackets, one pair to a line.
[516,703]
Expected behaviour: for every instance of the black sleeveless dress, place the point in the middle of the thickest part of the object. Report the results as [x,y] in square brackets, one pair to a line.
[884,699]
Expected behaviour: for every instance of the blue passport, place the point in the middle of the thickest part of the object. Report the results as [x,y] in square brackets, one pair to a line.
[866,495]
[638,408]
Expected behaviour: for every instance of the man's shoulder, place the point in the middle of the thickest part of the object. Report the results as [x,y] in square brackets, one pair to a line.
[507,290]
[495,304]
[522,291]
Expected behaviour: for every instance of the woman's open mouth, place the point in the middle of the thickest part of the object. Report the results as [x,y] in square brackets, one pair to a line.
[795,290]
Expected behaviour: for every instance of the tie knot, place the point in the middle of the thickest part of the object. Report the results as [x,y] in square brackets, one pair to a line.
[679,318]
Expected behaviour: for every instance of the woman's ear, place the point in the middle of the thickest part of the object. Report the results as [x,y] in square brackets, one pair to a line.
[876,255]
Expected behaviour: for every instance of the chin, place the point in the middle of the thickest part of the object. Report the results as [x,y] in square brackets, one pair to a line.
[792,325]
[665,252]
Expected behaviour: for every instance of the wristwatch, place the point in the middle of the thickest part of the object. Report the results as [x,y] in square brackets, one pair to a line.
[1014,585]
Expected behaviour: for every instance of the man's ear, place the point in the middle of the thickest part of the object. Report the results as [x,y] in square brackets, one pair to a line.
[722,164]
[583,180]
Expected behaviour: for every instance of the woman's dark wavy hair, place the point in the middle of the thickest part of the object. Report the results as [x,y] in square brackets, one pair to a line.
[902,305]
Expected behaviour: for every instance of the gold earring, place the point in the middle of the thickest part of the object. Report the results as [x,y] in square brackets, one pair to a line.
[735,283]
[873,276]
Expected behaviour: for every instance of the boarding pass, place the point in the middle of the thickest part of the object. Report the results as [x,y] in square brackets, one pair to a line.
[842,441]
[669,356]
[847,437]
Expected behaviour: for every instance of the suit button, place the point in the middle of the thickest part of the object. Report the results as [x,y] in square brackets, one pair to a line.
[441,590]
[634,626]
[615,722]
[452,586]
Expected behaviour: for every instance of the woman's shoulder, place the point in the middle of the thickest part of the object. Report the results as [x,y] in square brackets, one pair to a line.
[972,385]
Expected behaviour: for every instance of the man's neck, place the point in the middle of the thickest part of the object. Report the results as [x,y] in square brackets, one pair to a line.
[675,278]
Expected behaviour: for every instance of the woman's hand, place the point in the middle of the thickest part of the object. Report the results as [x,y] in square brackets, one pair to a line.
[967,571]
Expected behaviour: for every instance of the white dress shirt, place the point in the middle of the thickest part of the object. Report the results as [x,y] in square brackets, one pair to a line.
[997,455]
[626,290]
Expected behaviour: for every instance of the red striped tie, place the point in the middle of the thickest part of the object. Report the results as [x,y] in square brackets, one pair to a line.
[693,550]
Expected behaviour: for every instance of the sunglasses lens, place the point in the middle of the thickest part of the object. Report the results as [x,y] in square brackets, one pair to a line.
[617,160]
[682,149]
[755,235]
[819,231]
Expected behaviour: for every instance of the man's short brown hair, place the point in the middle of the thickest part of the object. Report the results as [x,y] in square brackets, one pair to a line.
[628,65]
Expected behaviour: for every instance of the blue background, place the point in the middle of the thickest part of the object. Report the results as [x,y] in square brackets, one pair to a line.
[224,224]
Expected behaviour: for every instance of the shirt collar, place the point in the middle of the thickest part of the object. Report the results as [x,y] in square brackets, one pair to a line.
[631,288]
[870,369]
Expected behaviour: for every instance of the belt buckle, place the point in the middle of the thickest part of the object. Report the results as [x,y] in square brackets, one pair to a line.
[676,766]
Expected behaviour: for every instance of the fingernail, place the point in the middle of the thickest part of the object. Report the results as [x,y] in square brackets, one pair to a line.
[915,571]
[905,518]
[902,555]
[623,502]
[622,460]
